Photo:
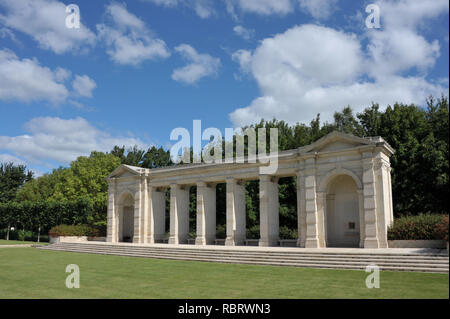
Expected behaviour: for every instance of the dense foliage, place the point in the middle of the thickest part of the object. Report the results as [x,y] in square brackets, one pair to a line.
[12,177]
[35,215]
[423,226]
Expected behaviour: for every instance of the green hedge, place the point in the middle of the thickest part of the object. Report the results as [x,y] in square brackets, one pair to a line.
[29,215]
[424,226]
[75,230]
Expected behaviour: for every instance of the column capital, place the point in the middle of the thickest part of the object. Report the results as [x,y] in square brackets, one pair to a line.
[201,184]
[300,173]
[230,179]
[268,178]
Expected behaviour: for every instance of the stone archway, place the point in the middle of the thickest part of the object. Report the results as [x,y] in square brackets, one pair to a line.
[126,217]
[342,217]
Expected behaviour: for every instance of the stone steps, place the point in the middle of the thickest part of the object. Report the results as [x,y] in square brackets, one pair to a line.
[401,262]
[290,257]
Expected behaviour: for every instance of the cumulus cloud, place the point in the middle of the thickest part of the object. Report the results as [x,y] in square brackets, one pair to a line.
[262,7]
[244,58]
[26,80]
[83,85]
[128,39]
[61,140]
[203,8]
[319,9]
[312,69]
[200,65]
[399,46]
[243,32]
[44,21]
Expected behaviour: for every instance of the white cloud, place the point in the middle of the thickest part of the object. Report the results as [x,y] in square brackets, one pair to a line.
[83,85]
[62,74]
[399,46]
[26,80]
[200,65]
[244,58]
[61,140]
[128,39]
[410,13]
[319,9]
[44,21]
[203,8]
[312,69]
[399,50]
[243,32]
[262,7]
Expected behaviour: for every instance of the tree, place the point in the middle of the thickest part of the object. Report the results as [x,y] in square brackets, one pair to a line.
[84,178]
[134,156]
[156,157]
[12,177]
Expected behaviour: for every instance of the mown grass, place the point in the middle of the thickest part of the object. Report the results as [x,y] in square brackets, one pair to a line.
[34,273]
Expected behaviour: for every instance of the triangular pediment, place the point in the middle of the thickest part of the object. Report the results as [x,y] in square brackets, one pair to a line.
[126,171]
[336,141]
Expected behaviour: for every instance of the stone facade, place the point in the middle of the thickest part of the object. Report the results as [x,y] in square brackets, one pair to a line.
[344,197]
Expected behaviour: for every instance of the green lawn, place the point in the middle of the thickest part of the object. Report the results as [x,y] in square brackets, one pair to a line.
[18,242]
[33,273]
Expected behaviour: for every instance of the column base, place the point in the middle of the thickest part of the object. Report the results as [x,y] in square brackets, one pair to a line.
[136,240]
[300,243]
[312,243]
[268,242]
[200,241]
[173,241]
[371,243]
[234,242]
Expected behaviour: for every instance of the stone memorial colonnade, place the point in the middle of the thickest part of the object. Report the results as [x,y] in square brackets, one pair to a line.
[344,197]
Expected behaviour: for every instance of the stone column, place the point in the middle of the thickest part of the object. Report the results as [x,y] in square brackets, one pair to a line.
[321,199]
[235,212]
[112,231]
[382,174]
[145,212]
[362,228]
[268,211]
[301,210]
[179,214]
[157,221]
[138,225]
[370,208]
[312,220]
[206,214]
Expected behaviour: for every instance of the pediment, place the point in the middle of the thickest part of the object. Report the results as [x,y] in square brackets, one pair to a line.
[336,141]
[126,171]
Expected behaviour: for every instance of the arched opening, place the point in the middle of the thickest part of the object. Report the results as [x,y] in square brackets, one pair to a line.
[342,213]
[126,218]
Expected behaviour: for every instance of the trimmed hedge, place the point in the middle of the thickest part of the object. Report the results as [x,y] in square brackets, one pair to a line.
[44,215]
[75,230]
[424,226]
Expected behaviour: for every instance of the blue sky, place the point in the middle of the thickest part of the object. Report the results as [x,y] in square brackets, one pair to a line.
[134,71]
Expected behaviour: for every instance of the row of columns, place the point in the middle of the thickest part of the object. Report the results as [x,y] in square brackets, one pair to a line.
[150,207]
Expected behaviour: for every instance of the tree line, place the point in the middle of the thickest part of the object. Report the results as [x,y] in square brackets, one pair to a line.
[420,166]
